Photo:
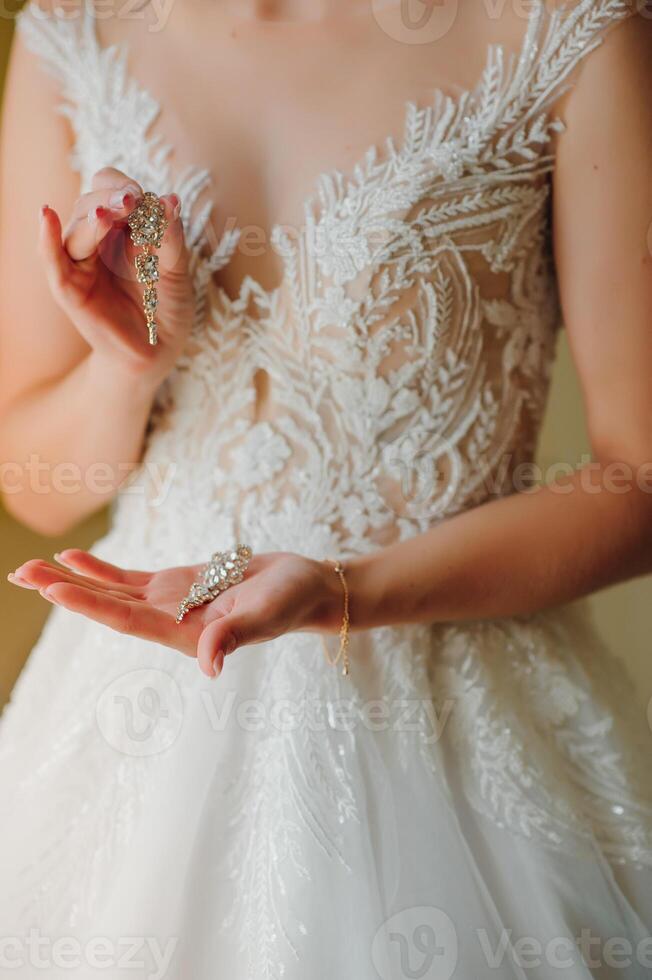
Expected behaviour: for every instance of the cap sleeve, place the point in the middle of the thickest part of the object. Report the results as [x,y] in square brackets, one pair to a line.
[95,90]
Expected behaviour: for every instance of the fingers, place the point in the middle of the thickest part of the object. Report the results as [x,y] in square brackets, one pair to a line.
[112,197]
[173,254]
[94,217]
[118,612]
[88,564]
[96,214]
[110,178]
[65,278]
[220,638]
[40,575]
[84,235]
[88,233]
[59,268]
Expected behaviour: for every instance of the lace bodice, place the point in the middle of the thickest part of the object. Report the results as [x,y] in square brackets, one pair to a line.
[398,374]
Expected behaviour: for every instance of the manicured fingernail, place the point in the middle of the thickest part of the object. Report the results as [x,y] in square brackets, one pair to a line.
[47,595]
[120,200]
[20,582]
[62,561]
[216,666]
[95,214]
[176,206]
[126,197]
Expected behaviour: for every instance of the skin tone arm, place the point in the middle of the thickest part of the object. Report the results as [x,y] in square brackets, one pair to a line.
[510,556]
[77,377]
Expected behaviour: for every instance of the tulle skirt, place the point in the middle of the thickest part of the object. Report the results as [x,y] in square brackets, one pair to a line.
[473,801]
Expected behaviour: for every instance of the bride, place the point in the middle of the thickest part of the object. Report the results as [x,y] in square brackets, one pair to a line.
[374,215]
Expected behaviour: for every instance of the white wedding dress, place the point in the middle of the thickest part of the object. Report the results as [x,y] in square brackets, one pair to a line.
[473,792]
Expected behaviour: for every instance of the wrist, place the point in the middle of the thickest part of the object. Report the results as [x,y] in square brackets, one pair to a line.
[366,597]
[329,604]
[365,605]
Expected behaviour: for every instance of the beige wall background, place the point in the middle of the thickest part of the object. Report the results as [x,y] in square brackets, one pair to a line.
[623,614]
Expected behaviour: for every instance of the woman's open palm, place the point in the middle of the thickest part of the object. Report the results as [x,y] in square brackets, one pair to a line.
[280,593]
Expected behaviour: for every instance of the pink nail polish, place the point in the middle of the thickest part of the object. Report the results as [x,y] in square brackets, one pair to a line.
[120,200]
[20,582]
[176,205]
[126,197]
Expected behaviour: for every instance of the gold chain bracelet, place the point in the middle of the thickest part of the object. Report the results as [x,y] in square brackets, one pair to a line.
[343,652]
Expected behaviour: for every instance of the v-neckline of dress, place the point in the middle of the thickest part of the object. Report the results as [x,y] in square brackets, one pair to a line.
[454,121]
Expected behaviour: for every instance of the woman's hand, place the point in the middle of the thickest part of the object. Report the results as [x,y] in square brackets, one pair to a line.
[281,593]
[90,270]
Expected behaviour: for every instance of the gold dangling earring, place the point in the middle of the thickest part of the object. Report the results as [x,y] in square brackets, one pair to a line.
[147,223]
